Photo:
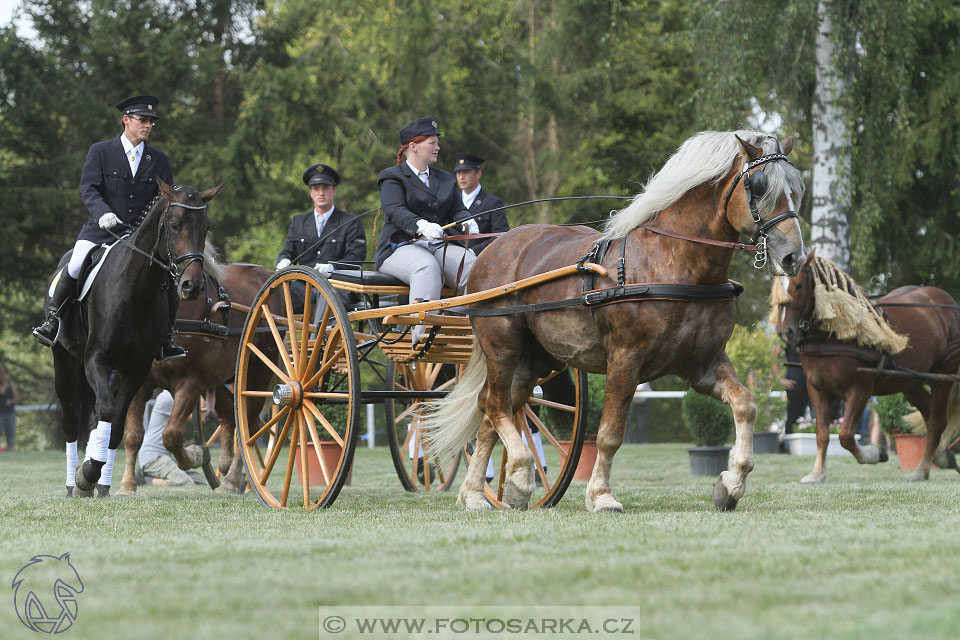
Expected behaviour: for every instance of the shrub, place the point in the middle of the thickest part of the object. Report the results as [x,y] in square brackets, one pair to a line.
[752,352]
[708,419]
[890,411]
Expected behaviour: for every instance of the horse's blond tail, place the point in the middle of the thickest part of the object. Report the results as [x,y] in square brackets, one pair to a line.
[952,430]
[449,424]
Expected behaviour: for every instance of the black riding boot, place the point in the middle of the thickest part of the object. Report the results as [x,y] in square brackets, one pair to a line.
[170,350]
[63,294]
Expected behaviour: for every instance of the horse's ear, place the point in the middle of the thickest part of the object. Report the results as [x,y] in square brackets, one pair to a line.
[165,189]
[208,194]
[811,255]
[749,149]
[786,145]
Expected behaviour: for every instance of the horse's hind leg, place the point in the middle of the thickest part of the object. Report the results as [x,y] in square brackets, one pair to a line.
[70,385]
[857,399]
[470,496]
[506,391]
[185,401]
[622,380]
[231,462]
[132,440]
[936,422]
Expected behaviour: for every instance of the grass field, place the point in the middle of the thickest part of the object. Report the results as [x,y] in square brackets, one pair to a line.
[867,555]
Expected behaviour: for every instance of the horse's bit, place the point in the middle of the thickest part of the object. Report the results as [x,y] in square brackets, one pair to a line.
[755,186]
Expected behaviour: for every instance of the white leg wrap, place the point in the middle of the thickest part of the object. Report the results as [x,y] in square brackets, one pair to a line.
[99,439]
[106,473]
[72,462]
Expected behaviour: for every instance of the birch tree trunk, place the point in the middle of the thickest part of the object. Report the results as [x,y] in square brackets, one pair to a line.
[831,200]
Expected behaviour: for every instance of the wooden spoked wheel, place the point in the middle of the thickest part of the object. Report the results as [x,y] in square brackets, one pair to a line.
[559,418]
[416,471]
[315,385]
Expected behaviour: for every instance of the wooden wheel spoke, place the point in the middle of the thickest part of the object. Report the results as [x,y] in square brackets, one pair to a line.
[304,468]
[536,458]
[315,439]
[317,348]
[503,471]
[214,435]
[544,431]
[267,361]
[407,412]
[292,326]
[322,371]
[275,451]
[288,475]
[267,425]
[553,405]
[281,347]
[312,408]
[304,332]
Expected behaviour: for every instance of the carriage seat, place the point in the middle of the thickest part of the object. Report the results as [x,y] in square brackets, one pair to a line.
[354,277]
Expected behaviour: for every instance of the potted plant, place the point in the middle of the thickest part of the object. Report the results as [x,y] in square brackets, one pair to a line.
[710,422]
[329,448]
[751,351]
[891,411]
[803,440]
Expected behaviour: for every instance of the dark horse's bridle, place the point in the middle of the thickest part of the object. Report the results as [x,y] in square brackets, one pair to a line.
[755,185]
[172,265]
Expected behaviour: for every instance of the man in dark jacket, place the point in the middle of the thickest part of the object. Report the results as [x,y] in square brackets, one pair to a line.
[118,183]
[327,233]
[468,169]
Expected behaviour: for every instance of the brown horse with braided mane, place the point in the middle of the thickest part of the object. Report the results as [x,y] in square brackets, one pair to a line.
[717,186]
[210,362]
[912,335]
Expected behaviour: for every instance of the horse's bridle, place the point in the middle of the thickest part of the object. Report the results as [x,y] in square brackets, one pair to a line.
[804,326]
[753,191]
[173,263]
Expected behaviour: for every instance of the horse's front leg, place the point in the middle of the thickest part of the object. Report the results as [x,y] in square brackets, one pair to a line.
[98,447]
[184,401]
[132,440]
[621,384]
[936,420]
[231,478]
[727,387]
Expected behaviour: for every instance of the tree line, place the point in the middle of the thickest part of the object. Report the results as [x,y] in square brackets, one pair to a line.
[562,97]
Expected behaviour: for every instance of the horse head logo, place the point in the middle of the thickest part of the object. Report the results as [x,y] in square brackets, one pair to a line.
[45,593]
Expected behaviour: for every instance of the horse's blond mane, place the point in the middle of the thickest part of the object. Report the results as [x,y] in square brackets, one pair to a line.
[842,308]
[705,157]
[211,260]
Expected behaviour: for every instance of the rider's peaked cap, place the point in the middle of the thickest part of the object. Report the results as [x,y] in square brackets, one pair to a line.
[466,161]
[139,105]
[321,174]
[420,127]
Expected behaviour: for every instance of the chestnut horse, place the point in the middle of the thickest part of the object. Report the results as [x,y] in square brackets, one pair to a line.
[210,363]
[717,186]
[835,344]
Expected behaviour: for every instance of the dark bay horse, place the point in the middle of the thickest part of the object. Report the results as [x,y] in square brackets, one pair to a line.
[210,362]
[120,324]
[826,314]
[680,230]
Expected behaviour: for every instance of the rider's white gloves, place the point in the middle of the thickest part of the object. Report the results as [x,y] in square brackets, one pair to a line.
[283,264]
[470,226]
[429,230]
[108,220]
[324,268]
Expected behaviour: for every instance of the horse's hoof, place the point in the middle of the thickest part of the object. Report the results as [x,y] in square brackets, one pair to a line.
[884,456]
[103,491]
[812,478]
[227,488]
[74,492]
[195,457]
[722,499]
[514,496]
[87,476]
[605,503]
[473,501]
[916,476]
[124,490]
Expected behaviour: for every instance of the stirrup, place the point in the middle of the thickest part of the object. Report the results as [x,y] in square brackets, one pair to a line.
[42,332]
[170,351]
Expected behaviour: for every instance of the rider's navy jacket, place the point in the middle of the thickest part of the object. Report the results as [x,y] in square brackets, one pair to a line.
[489,223]
[106,185]
[345,239]
[405,200]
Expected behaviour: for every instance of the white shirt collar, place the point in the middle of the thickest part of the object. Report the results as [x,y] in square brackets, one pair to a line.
[128,146]
[468,198]
[416,171]
[321,219]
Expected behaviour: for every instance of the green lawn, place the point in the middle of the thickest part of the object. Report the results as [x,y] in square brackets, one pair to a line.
[867,555]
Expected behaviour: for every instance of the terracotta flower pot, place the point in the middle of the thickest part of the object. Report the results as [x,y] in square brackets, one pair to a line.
[910,449]
[331,456]
[588,457]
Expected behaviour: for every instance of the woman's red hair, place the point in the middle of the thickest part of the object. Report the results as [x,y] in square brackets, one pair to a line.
[408,143]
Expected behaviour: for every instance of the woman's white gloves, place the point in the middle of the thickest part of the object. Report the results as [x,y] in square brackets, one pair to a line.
[429,230]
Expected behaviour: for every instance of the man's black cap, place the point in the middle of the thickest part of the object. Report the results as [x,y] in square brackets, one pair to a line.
[139,105]
[321,174]
[466,161]
[420,127]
